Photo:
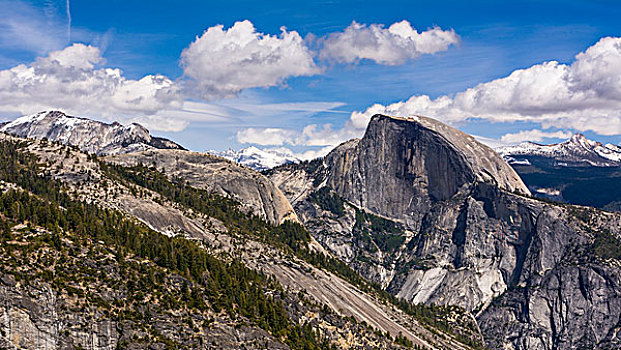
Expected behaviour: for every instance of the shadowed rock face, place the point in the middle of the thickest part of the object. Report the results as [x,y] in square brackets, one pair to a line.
[420,155]
[403,165]
[436,182]
[465,234]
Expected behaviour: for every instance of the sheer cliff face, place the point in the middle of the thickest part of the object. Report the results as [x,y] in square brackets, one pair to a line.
[463,233]
[402,165]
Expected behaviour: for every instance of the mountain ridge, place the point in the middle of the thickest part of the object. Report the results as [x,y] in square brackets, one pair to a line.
[414,208]
[437,218]
[316,299]
[577,151]
[87,134]
[114,140]
[259,159]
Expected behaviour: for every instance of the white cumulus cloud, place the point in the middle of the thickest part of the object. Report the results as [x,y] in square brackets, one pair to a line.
[311,135]
[584,95]
[312,154]
[534,135]
[222,62]
[70,80]
[268,136]
[390,46]
[324,135]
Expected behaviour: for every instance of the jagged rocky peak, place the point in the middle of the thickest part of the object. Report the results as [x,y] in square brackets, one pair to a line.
[577,151]
[88,135]
[402,160]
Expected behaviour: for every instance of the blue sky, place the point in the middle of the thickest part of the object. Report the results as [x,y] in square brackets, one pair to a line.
[495,38]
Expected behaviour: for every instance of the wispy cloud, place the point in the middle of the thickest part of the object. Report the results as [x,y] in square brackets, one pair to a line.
[68,21]
[29,29]
[238,111]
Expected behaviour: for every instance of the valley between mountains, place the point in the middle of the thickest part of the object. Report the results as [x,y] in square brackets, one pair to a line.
[414,236]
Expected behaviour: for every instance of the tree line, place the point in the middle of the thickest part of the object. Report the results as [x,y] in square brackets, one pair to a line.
[229,286]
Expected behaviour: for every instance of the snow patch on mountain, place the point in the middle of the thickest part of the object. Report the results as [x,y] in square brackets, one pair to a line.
[259,159]
[577,151]
[89,135]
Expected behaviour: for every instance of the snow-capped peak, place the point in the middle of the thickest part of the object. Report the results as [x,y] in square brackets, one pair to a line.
[583,142]
[259,159]
[578,150]
[89,135]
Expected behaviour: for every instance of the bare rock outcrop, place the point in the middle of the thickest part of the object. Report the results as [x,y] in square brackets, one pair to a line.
[402,164]
[436,217]
[254,191]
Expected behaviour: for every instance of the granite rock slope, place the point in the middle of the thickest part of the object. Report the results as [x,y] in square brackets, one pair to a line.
[436,217]
[215,174]
[254,191]
[33,315]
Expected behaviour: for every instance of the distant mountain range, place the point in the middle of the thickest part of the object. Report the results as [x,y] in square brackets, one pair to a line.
[259,159]
[578,151]
[578,171]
